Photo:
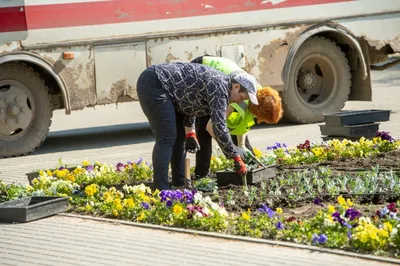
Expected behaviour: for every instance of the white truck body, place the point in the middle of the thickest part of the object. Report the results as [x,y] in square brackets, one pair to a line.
[91,52]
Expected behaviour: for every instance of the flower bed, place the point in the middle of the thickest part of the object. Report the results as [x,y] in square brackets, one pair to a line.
[340,206]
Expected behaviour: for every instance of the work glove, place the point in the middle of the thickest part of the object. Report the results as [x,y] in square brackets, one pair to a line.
[191,143]
[245,154]
[240,166]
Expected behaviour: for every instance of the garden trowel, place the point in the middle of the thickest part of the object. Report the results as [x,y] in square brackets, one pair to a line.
[256,160]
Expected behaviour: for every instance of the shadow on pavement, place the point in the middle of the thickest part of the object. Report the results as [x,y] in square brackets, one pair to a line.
[96,137]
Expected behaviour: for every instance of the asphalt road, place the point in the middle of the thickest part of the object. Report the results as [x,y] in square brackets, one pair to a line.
[120,132]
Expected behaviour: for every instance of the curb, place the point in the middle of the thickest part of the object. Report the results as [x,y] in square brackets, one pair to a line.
[237,238]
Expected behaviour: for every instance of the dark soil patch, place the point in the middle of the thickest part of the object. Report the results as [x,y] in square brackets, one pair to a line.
[305,207]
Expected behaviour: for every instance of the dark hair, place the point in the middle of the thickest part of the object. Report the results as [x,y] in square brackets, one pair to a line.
[242,89]
[199,60]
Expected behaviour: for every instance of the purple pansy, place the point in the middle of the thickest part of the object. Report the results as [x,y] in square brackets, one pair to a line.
[267,210]
[319,239]
[336,217]
[279,225]
[145,205]
[352,214]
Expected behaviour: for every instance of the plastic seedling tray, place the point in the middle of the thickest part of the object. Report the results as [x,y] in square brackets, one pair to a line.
[33,175]
[356,117]
[253,176]
[31,208]
[365,130]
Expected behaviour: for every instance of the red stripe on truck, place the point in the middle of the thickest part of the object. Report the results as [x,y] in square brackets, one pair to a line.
[120,11]
[12,19]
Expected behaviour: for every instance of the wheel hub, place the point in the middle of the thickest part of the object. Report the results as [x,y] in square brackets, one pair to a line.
[12,110]
[307,80]
[15,109]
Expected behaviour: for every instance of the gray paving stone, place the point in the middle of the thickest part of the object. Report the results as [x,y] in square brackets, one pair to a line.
[108,244]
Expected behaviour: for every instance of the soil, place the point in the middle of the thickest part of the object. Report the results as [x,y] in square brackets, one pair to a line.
[305,207]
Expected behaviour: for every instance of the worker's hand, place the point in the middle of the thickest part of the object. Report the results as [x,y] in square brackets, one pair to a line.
[191,143]
[244,153]
[240,166]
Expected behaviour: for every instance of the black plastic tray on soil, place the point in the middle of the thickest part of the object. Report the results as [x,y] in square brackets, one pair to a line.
[33,175]
[31,208]
[356,117]
[253,176]
[364,130]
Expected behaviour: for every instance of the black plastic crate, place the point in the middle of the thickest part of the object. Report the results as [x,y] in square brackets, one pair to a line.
[253,176]
[33,175]
[326,138]
[31,208]
[365,130]
[356,117]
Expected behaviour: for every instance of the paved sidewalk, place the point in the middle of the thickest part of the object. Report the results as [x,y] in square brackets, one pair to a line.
[72,241]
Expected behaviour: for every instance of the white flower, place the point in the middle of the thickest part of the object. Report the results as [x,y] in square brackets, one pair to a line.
[197,215]
[223,212]
[364,220]
[198,197]
[394,232]
[231,202]
[206,211]
[328,222]
[214,206]
[38,193]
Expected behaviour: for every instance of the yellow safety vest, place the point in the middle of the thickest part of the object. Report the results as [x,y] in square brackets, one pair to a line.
[241,121]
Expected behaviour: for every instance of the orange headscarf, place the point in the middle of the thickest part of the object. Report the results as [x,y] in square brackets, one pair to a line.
[269,108]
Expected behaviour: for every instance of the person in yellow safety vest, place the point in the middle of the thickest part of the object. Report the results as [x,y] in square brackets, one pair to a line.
[240,118]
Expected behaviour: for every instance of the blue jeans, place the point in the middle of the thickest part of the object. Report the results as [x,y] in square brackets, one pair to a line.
[166,124]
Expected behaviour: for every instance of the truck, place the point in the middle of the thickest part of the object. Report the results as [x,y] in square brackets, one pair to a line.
[74,54]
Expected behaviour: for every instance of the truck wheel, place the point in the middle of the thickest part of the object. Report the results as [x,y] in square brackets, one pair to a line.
[319,82]
[25,110]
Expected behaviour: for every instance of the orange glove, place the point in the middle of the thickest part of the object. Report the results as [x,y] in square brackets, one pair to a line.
[240,166]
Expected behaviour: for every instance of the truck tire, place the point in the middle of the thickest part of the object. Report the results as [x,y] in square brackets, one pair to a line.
[25,110]
[319,82]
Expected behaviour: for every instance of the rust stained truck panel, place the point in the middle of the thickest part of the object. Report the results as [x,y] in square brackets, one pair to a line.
[78,73]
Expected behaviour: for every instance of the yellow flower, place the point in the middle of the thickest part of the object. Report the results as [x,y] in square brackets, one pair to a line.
[156,192]
[79,171]
[49,173]
[245,216]
[119,207]
[331,209]
[115,213]
[29,188]
[117,201]
[279,210]
[85,163]
[341,201]
[388,227]
[41,173]
[88,207]
[91,190]
[112,189]
[129,202]
[317,151]
[178,209]
[141,217]
[349,203]
[71,177]
[146,198]
[119,194]
[35,181]
[257,152]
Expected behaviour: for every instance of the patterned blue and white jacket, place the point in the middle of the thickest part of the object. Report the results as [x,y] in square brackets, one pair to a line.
[198,90]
